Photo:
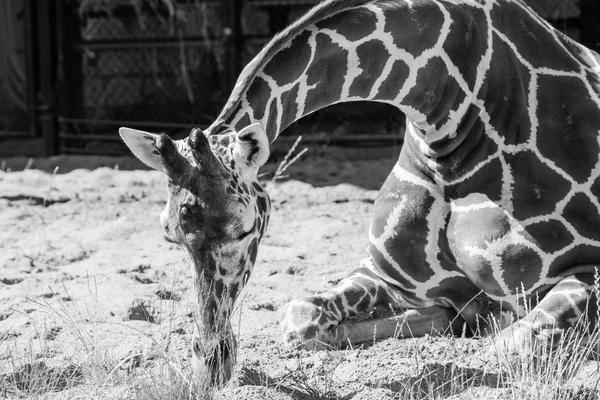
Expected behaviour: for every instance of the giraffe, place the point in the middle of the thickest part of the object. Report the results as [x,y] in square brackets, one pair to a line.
[491,212]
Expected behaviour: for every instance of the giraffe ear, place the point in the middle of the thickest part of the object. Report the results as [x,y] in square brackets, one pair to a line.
[252,146]
[142,145]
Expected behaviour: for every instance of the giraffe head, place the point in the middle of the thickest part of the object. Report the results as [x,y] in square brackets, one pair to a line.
[217,211]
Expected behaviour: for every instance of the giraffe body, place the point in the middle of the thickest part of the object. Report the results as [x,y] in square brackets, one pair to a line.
[492,206]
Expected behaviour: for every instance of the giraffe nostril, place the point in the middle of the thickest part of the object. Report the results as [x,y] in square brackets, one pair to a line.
[220,357]
[197,348]
[332,328]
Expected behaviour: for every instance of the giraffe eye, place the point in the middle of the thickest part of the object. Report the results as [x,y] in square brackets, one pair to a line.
[243,234]
[168,239]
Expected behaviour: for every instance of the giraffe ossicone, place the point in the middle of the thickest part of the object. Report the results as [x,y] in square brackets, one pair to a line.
[491,213]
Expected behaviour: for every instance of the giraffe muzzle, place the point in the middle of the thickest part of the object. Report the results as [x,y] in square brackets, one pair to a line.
[216,364]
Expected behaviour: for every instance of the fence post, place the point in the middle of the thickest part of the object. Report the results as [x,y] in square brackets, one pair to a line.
[70,81]
[233,39]
[45,64]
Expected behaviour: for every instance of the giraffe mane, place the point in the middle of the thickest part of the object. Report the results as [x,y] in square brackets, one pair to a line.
[325,9]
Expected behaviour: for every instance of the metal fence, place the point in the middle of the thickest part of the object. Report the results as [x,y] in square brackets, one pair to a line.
[168,68]
[168,65]
[153,65]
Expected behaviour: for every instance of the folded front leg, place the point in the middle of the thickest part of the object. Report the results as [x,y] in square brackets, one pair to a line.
[570,306]
[322,321]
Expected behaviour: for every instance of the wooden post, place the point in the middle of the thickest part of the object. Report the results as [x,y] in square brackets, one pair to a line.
[44,61]
[232,33]
[29,35]
[70,101]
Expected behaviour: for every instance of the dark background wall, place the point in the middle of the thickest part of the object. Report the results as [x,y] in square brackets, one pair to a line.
[78,69]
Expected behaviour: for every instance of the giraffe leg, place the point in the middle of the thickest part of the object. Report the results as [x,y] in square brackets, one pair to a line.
[570,306]
[407,323]
[322,321]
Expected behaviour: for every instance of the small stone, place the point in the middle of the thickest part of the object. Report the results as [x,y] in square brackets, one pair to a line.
[269,306]
[139,312]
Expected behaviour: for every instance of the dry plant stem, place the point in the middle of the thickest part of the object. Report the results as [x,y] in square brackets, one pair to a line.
[544,372]
[410,323]
[285,163]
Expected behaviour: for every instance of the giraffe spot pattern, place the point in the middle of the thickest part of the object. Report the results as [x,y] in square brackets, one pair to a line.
[506,94]
[339,306]
[583,215]
[243,122]
[550,236]
[471,148]
[403,224]
[426,94]
[595,188]
[362,301]
[289,100]
[577,255]
[256,93]
[415,28]
[480,271]
[572,47]
[462,227]
[593,79]
[289,63]
[466,42]
[372,57]
[520,167]
[445,257]
[444,111]
[537,188]
[521,267]
[330,68]
[273,114]
[353,25]
[253,250]
[483,239]
[485,179]
[456,290]
[234,290]
[569,126]
[387,269]
[524,32]
[572,291]
[394,81]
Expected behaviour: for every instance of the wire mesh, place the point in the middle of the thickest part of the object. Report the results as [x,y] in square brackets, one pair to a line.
[147,63]
[165,63]
[14,118]
[140,61]
[151,84]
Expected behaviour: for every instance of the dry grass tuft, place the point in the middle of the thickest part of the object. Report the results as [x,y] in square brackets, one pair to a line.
[284,165]
[440,368]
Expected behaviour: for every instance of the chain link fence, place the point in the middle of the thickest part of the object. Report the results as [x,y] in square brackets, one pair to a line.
[153,64]
[168,65]
[14,85]
[162,66]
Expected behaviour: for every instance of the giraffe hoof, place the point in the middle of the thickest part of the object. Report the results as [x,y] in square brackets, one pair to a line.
[515,342]
[307,326]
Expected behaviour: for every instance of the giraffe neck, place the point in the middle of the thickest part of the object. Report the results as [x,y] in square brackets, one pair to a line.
[457,69]
[343,51]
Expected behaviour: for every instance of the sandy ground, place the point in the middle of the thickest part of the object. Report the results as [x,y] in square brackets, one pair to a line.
[84,271]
